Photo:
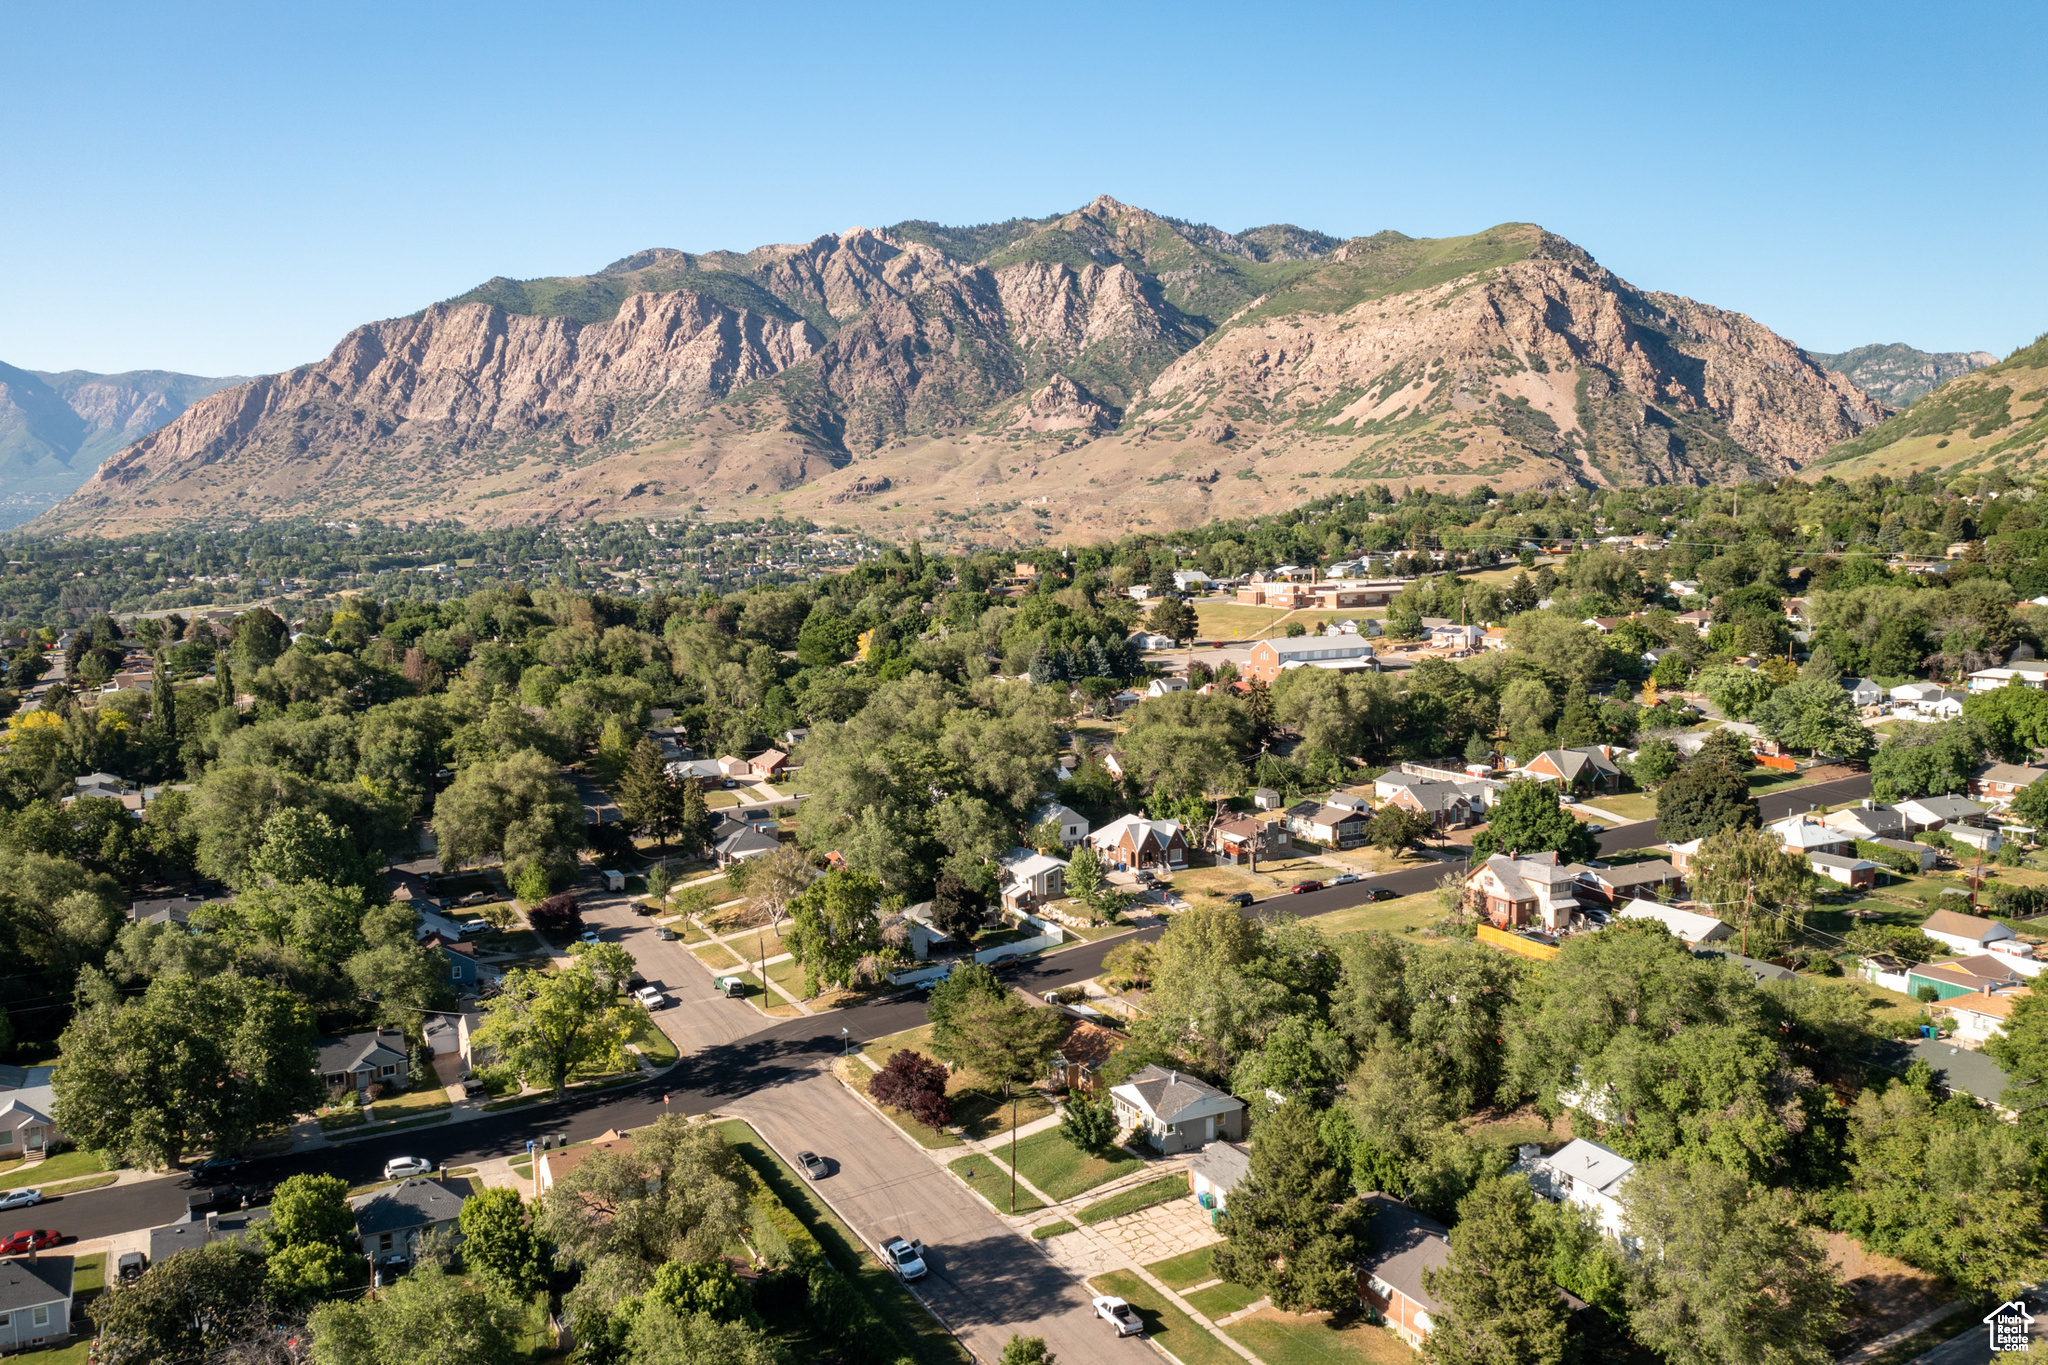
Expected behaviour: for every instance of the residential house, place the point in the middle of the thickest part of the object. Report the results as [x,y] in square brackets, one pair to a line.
[1451,635]
[1535,892]
[1631,881]
[1849,871]
[1215,1171]
[914,922]
[390,1221]
[35,1301]
[1867,821]
[1605,625]
[1965,933]
[1580,770]
[768,765]
[2018,673]
[1175,1112]
[743,844]
[1862,691]
[1926,854]
[1581,1173]
[1690,926]
[1451,805]
[1112,761]
[361,1060]
[1073,825]
[1701,621]
[1759,971]
[1330,826]
[706,771]
[1348,801]
[1403,1246]
[27,1101]
[1270,657]
[1132,843]
[1804,834]
[1030,878]
[1929,700]
[460,958]
[1191,580]
[1495,639]
[1982,1017]
[554,1165]
[442,1034]
[794,736]
[1146,640]
[203,1226]
[2001,782]
[1951,977]
[1937,812]
[164,910]
[1244,839]
[1167,686]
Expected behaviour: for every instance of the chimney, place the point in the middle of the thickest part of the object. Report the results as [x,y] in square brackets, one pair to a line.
[1173,1078]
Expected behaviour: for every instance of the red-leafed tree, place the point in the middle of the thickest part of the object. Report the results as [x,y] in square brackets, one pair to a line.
[556,915]
[914,1082]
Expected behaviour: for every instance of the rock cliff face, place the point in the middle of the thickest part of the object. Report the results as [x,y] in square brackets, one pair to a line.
[1897,375]
[919,354]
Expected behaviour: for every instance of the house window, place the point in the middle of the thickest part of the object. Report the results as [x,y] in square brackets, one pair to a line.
[42,1315]
[7,1138]
[384,1242]
[388,1071]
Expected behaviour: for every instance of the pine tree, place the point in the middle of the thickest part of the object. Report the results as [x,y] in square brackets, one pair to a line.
[1502,1308]
[693,819]
[1294,1227]
[1042,673]
[1578,725]
[225,685]
[648,796]
[1098,660]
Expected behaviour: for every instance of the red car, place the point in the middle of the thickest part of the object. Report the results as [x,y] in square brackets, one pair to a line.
[1300,887]
[30,1239]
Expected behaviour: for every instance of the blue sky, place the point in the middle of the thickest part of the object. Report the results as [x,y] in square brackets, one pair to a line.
[224,188]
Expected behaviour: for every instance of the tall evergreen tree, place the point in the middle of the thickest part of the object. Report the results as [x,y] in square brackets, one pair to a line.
[1294,1226]
[1502,1307]
[693,818]
[648,796]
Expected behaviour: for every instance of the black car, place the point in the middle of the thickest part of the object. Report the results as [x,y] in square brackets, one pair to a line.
[472,1087]
[131,1265]
[1239,898]
[1380,893]
[215,1169]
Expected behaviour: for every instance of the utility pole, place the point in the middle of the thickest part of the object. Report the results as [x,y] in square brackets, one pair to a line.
[1748,904]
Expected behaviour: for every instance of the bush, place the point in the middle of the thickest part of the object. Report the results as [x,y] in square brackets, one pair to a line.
[1088,1123]
[2019,902]
[556,915]
[916,1084]
[1895,859]
[1296,630]
[532,883]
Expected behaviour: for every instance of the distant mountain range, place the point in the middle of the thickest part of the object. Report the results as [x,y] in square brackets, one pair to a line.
[1995,416]
[1896,375]
[1097,370]
[56,428]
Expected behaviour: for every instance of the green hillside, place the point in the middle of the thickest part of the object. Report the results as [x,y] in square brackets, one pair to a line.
[1995,416]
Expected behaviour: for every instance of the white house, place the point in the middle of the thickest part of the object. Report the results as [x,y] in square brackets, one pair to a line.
[1176,1113]
[1982,1017]
[1191,580]
[1802,834]
[1146,640]
[1582,1173]
[2018,673]
[27,1095]
[1689,925]
[1215,1171]
[1031,878]
[35,1301]
[1073,825]
[1937,812]
[1165,687]
[1965,934]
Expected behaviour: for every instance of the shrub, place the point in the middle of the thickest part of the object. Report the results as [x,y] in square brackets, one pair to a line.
[1088,1123]
[1895,859]
[556,915]
[2019,902]
[915,1083]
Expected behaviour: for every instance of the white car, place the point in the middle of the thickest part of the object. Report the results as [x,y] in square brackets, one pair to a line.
[904,1258]
[588,936]
[651,998]
[1119,1315]
[20,1199]
[400,1167]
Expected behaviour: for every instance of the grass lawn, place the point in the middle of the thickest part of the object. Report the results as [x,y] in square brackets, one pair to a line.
[523,1167]
[754,947]
[983,1113]
[715,956]
[1232,620]
[1881,1003]
[720,800]
[989,1180]
[1217,881]
[1135,1198]
[411,1103]
[929,1342]
[1285,1339]
[63,1166]
[1630,806]
[1054,1164]
[1173,1330]
[89,1274]
[657,1047]
[517,1102]
[788,974]
[1186,1270]
[1407,915]
[1051,1230]
[380,1129]
[78,1352]
[1221,1300]
[91,1182]
[518,943]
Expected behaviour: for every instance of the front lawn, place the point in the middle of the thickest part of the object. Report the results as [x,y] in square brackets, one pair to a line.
[1221,1300]
[1407,915]
[656,1046]
[1137,1197]
[63,1166]
[1186,1270]
[1286,1339]
[716,956]
[1631,807]
[411,1103]
[855,1072]
[1054,1164]
[1169,1328]
[992,1182]
[981,1111]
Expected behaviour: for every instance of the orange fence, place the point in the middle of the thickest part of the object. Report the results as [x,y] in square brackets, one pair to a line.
[1784,763]
[1515,943]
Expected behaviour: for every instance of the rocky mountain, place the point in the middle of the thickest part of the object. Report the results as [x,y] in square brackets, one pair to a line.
[1100,368]
[1897,374]
[1992,417]
[55,428]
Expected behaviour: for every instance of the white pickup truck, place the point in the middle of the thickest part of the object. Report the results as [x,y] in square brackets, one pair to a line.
[905,1258]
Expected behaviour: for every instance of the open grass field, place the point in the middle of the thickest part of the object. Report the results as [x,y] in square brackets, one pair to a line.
[1169,1328]
[1231,621]
[1055,1165]
[1405,915]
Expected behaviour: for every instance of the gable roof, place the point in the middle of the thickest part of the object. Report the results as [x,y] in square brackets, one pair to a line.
[2019,775]
[31,1284]
[1945,807]
[1572,762]
[1024,863]
[1223,1163]
[1974,972]
[1169,1093]
[1630,874]
[1138,827]
[1404,1244]
[1588,1163]
[379,1048]
[417,1202]
[748,840]
[1974,927]
[1689,925]
[1801,832]
[1836,860]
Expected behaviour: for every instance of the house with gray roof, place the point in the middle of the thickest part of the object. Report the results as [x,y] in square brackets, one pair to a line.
[390,1221]
[1759,971]
[1935,812]
[1215,1171]
[27,1099]
[1403,1245]
[743,844]
[35,1302]
[1582,1173]
[1175,1112]
[360,1060]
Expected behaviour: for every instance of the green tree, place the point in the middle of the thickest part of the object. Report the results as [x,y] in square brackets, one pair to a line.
[1760,887]
[1089,1123]
[429,1316]
[1208,998]
[680,1193]
[1528,819]
[1023,1350]
[1737,691]
[648,796]
[300,845]
[518,808]
[1704,798]
[835,930]
[1294,1230]
[1655,761]
[1173,618]
[306,1274]
[663,1335]
[1007,1041]
[2023,1051]
[1927,760]
[1501,1306]
[195,1301]
[693,817]
[1394,828]
[500,1245]
[548,1024]
[1728,1275]
[309,1209]
[210,1062]
[1815,716]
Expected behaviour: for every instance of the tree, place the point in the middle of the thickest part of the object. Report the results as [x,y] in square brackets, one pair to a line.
[1814,715]
[681,1192]
[1395,827]
[916,1084]
[547,1024]
[428,1316]
[1655,761]
[207,1062]
[1728,1275]
[1207,998]
[1502,1308]
[1737,691]
[1704,798]
[836,930]
[500,1245]
[1174,619]
[2023,1051]
[518,808]
[1006,1040]
[1088,882]
[183,1305]
[1759,885]
[958,909]
[301,845]
[648,796]
[1729,748]
[1089,1123]
[1023,1350]
[693,817]
[1926,760]
[1294,1227]
[309,1209]
[1528,819]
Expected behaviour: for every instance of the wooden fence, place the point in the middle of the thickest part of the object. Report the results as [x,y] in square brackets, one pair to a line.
[1515,943]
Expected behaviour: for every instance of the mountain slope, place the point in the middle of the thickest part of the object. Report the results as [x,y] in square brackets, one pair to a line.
[1137,357]
[56,427]
[1897,374]
[1993,416]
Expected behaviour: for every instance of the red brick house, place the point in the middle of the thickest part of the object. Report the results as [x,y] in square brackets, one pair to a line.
[1589,767]
[771,764]
[1404,1245]
[1134,842]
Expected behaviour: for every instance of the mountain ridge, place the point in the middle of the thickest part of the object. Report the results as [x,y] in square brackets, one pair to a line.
[1898,375]
[1144,354]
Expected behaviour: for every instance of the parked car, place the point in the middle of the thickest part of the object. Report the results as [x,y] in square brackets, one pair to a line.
[1344,879]
[476,898]
[1381,893]
[1300,887]
[20,1199]
[216,1168]
[651,998]
[36,1239]
[131,1265]
[1239,898]
[905,1259]
[1119,1315]
[812,1165]
[588,936]
[664,933]
[1004,961]
[475,928]
[1592,828]
[401,1166]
